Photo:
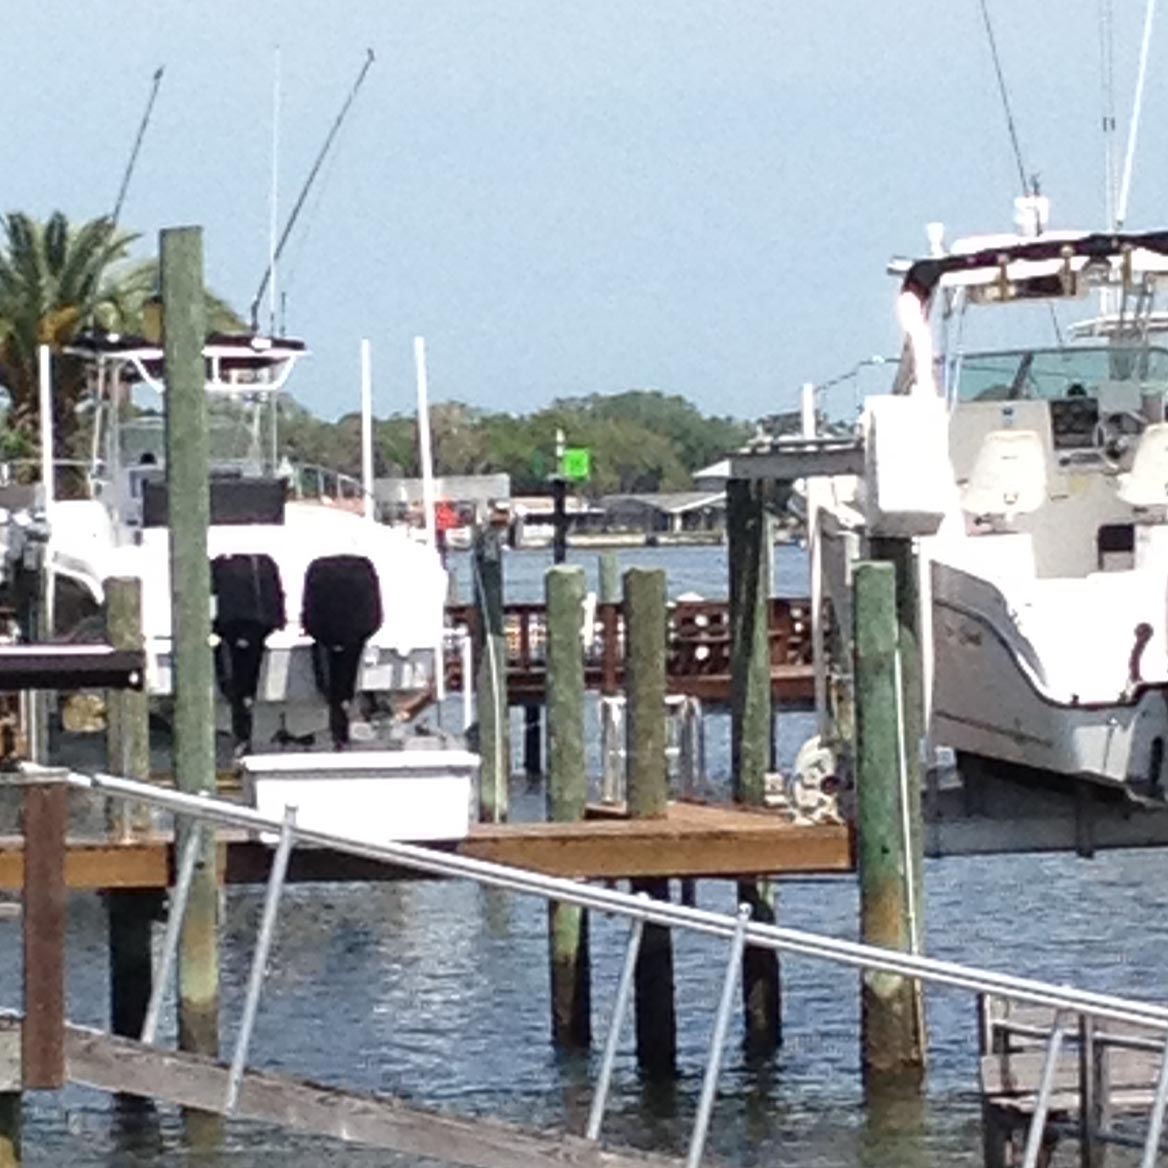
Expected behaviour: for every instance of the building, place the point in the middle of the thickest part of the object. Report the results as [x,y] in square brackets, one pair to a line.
[671,513]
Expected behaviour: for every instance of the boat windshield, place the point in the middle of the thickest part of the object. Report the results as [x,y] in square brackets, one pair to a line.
[1051,374]
[241,432]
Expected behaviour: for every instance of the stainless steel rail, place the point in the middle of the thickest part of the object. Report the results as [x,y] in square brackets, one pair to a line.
[738,929]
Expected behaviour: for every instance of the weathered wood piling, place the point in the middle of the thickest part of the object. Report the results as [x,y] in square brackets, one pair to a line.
[645,626]
[491,675]
[188,496]
[611,730]
[892,1026]
[567,794]
[751,732]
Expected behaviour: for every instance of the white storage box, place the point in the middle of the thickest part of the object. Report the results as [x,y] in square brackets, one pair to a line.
[375,796]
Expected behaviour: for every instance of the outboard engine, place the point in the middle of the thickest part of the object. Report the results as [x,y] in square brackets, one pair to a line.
[342,610]
[249,605]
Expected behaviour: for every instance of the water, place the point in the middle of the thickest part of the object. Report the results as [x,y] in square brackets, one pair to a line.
[438,992]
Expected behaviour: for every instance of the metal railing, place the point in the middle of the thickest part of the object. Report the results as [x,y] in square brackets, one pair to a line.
[639,910]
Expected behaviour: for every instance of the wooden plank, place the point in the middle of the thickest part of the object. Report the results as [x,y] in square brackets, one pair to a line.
[1019,1074]
[93,865]
[718,847]
[122,1065]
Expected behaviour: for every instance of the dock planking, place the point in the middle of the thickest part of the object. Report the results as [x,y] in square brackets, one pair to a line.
[108,1063]
[690,840]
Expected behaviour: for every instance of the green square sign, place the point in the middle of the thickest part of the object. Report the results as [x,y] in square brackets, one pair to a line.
[577,463]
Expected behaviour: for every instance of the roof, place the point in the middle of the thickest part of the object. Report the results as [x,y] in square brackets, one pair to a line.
[1038,257]
[671,502]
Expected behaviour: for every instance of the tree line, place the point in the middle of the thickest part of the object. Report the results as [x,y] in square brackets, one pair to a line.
[59,280]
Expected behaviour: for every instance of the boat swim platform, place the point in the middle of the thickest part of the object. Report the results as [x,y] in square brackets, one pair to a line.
[691,840]
[109,1063]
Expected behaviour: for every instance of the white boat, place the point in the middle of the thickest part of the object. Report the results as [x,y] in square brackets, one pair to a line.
[1045,582]
[324,619]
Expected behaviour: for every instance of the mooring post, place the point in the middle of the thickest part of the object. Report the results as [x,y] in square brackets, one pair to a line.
[46,814]
[188,494]
[491,679]
[611,728]
[645,626]
[892,1020]
[567,793]
[749,553]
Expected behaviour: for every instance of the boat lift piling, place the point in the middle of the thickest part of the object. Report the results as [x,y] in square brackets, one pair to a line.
[188,495]
[567,796]
[647,796]
[749,554]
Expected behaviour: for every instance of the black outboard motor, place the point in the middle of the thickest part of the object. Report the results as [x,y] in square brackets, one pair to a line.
[341,611]
[249,605]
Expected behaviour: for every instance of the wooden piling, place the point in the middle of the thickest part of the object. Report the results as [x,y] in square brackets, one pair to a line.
[491,676]
[611,729]
[188,494]
[46,813]
[127,710]
[532,741]
[567,794]
[645,627]
[751,731]
[891,1018]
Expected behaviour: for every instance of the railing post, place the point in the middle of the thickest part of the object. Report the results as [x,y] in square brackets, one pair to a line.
[749,553]
[891,1016]
[645,618]
[567,793]
[491,683]
[188,494]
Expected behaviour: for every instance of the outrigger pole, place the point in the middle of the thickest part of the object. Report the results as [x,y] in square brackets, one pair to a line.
[255,304]
[137,145]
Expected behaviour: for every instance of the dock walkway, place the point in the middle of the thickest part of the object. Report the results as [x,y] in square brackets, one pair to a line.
[691,840]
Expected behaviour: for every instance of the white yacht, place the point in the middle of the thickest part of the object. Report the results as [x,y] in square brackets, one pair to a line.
[324,618]
[1047,559]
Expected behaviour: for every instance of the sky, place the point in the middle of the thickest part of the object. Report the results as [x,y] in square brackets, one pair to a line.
[694,196]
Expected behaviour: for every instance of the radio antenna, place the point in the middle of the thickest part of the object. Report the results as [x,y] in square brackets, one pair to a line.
[296,209]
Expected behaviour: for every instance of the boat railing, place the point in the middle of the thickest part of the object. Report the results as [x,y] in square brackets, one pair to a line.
[201,812]
[312,481]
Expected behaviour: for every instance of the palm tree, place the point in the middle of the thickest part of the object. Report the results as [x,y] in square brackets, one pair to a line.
[57,280]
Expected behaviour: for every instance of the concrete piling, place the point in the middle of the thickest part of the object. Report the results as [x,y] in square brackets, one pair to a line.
[645,641]
[751,733]
[567,794]
[892,1021]
[491,676]
[188,495]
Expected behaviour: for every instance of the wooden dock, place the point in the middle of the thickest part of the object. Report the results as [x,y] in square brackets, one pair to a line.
[691,840]
[109,1063]
[698,651]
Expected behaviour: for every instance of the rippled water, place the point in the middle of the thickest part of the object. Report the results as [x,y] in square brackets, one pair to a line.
[438,992]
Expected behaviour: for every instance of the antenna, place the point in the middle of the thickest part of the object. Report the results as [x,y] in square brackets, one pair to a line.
[157,81]
[1107,86]
[268,272]
[273,195]
[1137,107]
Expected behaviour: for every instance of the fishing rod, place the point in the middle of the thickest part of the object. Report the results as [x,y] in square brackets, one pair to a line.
[157,81]
[255,304]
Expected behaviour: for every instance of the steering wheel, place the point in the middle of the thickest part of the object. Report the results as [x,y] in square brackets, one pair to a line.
[1113,435]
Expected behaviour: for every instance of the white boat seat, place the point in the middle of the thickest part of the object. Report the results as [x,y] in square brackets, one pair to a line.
[1008,477]
[1147,483]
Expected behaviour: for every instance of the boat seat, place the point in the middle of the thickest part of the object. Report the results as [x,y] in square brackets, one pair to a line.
[1008,477]
[1147,483]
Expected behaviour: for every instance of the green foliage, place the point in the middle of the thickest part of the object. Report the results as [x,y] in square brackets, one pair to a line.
[640,441]
[56,281]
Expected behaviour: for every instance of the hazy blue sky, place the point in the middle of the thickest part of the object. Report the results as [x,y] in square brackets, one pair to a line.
[697,196]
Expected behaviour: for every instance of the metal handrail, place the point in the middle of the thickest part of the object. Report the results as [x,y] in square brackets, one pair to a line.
[736,928]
